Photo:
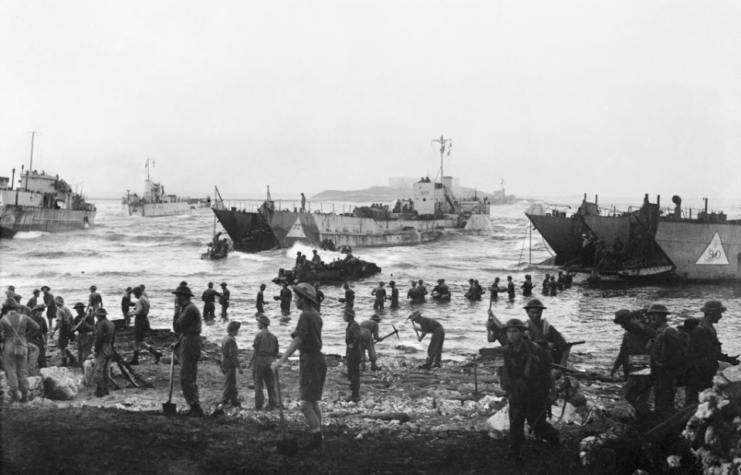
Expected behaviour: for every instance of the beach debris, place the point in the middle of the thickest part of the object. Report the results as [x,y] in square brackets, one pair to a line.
[61,383]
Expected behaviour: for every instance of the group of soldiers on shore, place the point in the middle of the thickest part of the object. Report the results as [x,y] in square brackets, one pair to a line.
[654,356]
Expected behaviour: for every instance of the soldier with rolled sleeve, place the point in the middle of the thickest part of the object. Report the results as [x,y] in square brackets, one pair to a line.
[103,351]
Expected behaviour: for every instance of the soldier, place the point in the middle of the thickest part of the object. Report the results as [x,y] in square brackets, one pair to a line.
[16,328]
[313,367]
[667,359]
[527,286]
[39,337]
[95,301]
[349,299]
[33,301]
[380,294]
[634,356]
[51,305]
[510,288]
[412,293]
[209,297]
[141,327]
[84,325]
[494,289]
[188,325]
[319,297]
[353,353]
[260,300]
[527,377]
[224,301]
[64,325]
[705,352]
[543,333]
[561,281]
[394,295]
[435,349]
[126,305]
[421,291]
[22,309]
[441,290]
[471,293]
[103,351]
[230,364]
[547,284]
[264,352]
[285,299]
[316,260]
[368,337]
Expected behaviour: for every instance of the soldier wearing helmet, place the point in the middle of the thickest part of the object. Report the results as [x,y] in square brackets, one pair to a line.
[369,336]
[353,353]
[705,352]
[64,325]
[633,357]
[545,334]
[189,325]
[307,338]
[527,377]
[667,359]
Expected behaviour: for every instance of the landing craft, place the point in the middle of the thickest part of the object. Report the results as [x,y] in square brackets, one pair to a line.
[41,202]
[432,211]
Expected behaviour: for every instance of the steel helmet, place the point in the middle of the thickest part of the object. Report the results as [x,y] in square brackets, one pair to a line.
[515,323]
[535,303]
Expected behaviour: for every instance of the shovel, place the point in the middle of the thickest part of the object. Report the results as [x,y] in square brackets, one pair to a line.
[286,446]
[169,408]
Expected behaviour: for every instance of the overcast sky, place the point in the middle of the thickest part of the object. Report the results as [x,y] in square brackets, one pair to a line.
[556,98]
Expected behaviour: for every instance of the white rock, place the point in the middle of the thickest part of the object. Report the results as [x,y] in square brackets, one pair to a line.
[60,384]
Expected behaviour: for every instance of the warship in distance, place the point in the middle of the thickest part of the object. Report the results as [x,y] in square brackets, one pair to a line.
[432,211]
[154,202]
[41,202]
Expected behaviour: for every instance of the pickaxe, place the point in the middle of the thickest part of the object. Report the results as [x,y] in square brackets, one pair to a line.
[395,332]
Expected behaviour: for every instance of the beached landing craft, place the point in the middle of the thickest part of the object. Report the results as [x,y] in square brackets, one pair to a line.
[432,211]
[41,202]
[154,202]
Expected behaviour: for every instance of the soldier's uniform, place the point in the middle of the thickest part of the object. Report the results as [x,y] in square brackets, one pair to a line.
[368,337]
[230,365]
[394,295]
[526,378]
[209,297]
[265,351]
[634,356]
[103,351]
[189,326]
[667,358]
[353,353]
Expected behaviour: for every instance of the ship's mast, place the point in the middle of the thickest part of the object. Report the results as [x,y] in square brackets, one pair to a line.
[30,167]
[443,142]
[147,166]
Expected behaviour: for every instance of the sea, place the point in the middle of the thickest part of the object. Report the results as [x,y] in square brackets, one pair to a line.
[121,251]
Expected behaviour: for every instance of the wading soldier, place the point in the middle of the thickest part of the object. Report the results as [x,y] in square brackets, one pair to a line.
[394,295]
[84,325]
[368,337]
[224,300]
[319,297]
[510,288]
[545,334]
[353,354]
[435,349]
[667,358]
[209,297]
[349,299]
[380,294]
[15,328]
[527,377]
[285,299]
[705,352]
[51,305]
[126,305]
[260,301]
[141,327]
[264,353]
[494,290]
[103,351]
[188,325]
[95,301]
[412,293]
[230,364]
[307,338]
[527,286]
[421,291]
[634,356]
[64,325]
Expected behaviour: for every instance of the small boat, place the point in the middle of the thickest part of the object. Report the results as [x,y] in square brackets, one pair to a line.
[337,272]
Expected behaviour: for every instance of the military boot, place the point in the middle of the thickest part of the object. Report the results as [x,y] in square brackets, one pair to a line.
[157,354]
[195,411]
[99,391]
[427,365]
[374,367]
[135,360]
[316,443]
[64,362]
[24,396]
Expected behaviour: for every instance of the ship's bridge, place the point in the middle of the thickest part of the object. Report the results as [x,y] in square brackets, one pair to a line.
[434,198]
